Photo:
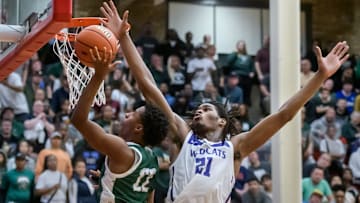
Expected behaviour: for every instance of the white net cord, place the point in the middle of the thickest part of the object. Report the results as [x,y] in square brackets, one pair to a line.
[78,75]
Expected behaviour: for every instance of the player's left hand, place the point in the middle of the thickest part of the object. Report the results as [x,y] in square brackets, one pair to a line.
[332,62]
[117,25]
[102,63]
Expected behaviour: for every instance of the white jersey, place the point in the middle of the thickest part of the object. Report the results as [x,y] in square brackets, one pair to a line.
[203,172]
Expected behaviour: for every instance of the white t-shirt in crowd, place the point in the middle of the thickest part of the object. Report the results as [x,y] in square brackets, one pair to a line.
[50,178]
[201,78]
[11,98]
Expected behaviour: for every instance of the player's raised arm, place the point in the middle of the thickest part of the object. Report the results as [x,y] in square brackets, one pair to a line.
[264,130]
[111,145]
[141,73]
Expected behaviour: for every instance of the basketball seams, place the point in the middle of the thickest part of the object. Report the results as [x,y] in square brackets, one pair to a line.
[87,39]
[99,32]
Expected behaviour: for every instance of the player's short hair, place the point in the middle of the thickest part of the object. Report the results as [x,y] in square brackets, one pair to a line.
[155,125]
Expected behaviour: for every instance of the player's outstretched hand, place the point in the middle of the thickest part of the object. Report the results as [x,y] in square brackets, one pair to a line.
[102,62]
[117,25]
[332,62]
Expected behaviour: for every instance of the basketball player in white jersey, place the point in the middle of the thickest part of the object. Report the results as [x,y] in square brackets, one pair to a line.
[203,172]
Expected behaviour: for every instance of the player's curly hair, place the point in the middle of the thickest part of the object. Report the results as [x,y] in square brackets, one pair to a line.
[223,114]
[155,125]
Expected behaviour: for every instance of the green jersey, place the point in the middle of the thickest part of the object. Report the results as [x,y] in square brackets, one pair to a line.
[133,185]
[19,185]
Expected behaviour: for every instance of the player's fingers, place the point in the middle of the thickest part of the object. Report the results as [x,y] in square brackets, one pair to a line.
[104,12]
[337,48]
[107,8]
[125,16]
[106,55]
[344,49]
[92,55]
[345,58]
[97,53]
[104,22]
[113,8]
[318,53]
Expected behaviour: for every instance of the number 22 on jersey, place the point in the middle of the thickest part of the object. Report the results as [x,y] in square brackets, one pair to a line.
[142,182]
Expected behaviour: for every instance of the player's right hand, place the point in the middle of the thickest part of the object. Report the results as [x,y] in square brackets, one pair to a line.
[120,27]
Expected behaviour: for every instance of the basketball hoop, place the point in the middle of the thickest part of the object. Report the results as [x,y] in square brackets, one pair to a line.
[78,75]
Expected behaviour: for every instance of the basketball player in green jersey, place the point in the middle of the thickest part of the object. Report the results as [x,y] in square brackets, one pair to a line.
[130,166]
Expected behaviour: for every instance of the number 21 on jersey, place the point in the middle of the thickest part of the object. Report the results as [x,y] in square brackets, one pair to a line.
[203,166]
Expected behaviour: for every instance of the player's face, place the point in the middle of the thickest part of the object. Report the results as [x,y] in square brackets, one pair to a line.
[206,118]
[130,121]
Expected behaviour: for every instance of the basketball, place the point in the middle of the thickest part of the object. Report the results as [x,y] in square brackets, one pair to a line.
[91,36]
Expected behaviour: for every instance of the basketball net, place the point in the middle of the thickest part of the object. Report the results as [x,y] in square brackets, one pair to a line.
[78,75]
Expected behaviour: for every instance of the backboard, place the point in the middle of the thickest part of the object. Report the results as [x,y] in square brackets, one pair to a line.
[41,20]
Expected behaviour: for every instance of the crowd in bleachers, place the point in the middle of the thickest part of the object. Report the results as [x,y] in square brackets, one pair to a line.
[38,140]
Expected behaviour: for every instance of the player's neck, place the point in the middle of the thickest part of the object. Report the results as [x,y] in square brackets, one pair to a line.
[213,136]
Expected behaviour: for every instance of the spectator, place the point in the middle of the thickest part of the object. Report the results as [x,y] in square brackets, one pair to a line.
[173,45]
[52,184]
[158,70]
[342,115]
[257,167]
[240,186]
[209,94]
[38,126]
[332,145]
[12,95]
[266,182]
[265,95]
[316,197]
[184,101]
[106,118]
[17,129]
[36,82]
[81,189]
[316,181]
[200,70]
[255,194]
[19,182]
[232,91]
[67,140]
[63,116]
[63,163]
[165,91]
[318,127]
[306,72]
[147,42]
[115,105]
[339,193]
[60,95]
[163,177]
[23,148]
[93,159]
[323,162]
[319,104]
[354,164]
[348,94]
[8,142]
[189,46]
[351,129]
[243,117]
[3,161]
[348,181]
[177,74]
[262,59]
[242,65]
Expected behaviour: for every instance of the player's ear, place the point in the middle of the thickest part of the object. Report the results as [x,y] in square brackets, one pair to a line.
[139,128]
[222,122]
